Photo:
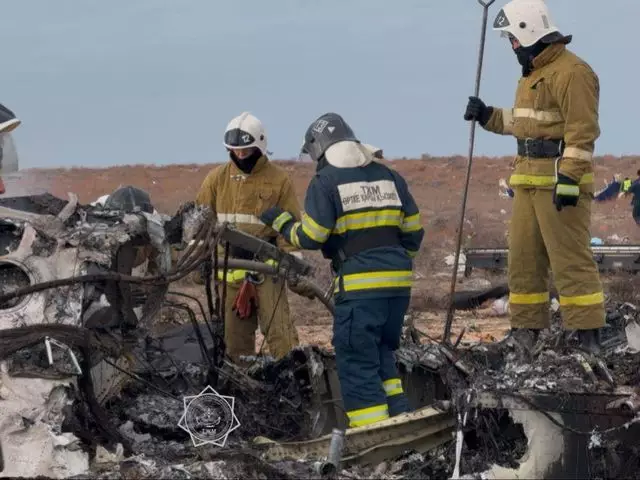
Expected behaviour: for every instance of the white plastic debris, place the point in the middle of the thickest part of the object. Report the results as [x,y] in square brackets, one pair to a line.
[100,201]
[104,456]
[449,260]
[500,306]
[595,440]
[632,331]
[616,239]
[30,416]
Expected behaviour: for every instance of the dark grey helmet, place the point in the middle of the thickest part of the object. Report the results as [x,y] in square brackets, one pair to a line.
[328,129]
[128,198]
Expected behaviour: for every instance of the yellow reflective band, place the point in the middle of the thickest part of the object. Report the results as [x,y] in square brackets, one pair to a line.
[528,298]
[367,416]
[392,387]
[358,221]
[507,121]
[233,276]
[295,239]
[542,180]
[411,223]
[412,253]
[280,220]
[271,262]
[313,230]
[573,190]
[532,180]
[372,280]
[539,115]
[578,153]
[237,218]
[586,178]
[582,300]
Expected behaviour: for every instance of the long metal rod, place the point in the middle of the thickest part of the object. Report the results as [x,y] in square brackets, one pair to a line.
[472,136]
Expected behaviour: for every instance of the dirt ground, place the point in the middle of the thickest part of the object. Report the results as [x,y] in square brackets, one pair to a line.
[436,184]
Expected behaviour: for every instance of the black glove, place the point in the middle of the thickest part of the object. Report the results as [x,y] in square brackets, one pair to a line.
[566,192]
[477,110]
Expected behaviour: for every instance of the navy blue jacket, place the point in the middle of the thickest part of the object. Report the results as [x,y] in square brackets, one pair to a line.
[357,206]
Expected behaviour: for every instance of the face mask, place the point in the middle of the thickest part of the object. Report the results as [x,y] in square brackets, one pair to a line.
[248,163]
[525,56]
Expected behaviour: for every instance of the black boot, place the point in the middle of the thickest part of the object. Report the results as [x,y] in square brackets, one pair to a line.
[524,339]
[589,340]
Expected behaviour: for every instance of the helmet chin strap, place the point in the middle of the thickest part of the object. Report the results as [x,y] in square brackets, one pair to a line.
[246,164]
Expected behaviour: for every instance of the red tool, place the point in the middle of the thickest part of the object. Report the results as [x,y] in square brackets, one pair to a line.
[246,301]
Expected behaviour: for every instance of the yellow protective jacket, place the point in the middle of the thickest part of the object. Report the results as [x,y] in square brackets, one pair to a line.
[558,100]
[239,198]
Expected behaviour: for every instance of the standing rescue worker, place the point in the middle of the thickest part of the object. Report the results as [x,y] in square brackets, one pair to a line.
[555,122]
[8,154]
[634,191]
[626,184]
[362,216]
[238,192]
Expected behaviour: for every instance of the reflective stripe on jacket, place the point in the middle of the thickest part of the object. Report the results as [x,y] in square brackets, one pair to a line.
[239,198]
[345,205]
[558,100]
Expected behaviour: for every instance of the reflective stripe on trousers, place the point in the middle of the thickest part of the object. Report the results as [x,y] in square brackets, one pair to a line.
[367,416]
[528,298]
[392,387]
[543,240]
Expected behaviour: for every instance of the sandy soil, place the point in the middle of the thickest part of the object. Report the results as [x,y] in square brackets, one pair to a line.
[436,185]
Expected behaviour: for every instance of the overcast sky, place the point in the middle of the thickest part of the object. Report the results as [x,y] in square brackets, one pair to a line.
[99,83]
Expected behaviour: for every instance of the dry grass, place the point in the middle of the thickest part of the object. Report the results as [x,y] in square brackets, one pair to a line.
[624,288]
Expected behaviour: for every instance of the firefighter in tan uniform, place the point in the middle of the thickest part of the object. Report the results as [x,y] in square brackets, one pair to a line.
[238,192]
[555,122]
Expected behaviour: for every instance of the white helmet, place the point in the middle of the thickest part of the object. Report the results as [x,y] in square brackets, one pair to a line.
[245,131]
[528,21]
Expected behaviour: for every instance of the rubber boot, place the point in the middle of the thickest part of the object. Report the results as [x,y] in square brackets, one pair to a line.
[524,341]
[398,404]
[589,340]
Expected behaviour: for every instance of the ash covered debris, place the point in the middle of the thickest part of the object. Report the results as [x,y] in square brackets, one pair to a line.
[127,395]
[47,242]
[557,364]
[119,417]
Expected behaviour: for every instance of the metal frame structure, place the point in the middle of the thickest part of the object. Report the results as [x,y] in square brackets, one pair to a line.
[607,257]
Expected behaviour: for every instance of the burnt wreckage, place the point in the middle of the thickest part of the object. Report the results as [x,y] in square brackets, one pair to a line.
[92,377]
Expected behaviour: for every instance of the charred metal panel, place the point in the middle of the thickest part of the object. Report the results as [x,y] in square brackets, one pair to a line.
[607,257]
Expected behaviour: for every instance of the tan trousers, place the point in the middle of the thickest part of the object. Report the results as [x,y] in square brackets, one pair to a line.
[541,237]
[279,331]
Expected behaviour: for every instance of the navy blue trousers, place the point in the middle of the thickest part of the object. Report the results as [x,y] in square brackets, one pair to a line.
[365,335]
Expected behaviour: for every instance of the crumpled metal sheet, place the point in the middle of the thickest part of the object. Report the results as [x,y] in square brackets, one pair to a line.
[31,418]
[58,240]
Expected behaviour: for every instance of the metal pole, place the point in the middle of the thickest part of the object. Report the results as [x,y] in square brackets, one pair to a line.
[472,136]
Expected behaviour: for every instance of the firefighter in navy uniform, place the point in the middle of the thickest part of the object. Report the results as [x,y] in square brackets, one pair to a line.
[555,122]
[362,216]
